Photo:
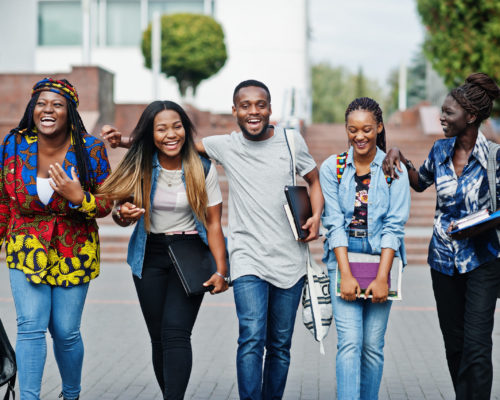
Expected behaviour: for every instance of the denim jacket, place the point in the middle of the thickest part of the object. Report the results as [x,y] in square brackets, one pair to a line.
[137,243]
[388,207]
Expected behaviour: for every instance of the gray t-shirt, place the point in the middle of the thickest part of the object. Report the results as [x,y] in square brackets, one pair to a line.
[260,240]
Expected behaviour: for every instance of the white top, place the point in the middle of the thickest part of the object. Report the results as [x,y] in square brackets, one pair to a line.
[171,211]
[44,189]
[260,240]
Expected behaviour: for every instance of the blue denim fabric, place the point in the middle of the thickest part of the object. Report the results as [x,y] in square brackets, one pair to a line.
[388,207]
[361,327]
[137,243]
[59,309]
[266,316]
[458,197]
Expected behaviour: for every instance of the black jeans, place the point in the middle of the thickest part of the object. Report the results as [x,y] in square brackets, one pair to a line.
[466,306]
[170,315]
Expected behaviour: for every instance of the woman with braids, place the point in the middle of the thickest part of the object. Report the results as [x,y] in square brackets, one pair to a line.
[365,212]
[465,273]
[174,195]
[50,168]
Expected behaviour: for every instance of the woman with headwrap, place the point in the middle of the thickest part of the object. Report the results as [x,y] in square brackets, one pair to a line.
[50,168]
[465,272]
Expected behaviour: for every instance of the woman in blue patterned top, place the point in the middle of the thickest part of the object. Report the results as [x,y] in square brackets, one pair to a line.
[465,273]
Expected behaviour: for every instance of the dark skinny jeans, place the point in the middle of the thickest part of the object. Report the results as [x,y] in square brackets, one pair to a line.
[170,315]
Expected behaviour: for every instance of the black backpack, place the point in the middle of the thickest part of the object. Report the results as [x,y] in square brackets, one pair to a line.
[8,367]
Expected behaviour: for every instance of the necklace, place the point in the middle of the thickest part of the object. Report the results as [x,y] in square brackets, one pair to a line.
[172,177]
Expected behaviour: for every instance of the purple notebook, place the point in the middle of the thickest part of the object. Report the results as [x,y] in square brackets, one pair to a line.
[365,272]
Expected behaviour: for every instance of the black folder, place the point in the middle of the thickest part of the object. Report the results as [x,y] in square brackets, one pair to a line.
[300,207]
[194,264]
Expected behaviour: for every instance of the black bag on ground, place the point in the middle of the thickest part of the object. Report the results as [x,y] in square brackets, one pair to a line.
[8,367]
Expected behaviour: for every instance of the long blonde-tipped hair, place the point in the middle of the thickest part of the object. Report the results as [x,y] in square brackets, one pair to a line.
[132,177]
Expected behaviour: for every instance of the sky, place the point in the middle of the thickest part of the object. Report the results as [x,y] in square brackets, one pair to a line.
[376,35]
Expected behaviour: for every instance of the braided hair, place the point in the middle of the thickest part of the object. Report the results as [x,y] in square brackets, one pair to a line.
[476,95]
[75,123]
[368,104]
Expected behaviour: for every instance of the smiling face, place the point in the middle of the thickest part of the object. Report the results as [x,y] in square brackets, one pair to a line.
[362,130]
[454,118]
[50,114]
[252,111]
[169,137]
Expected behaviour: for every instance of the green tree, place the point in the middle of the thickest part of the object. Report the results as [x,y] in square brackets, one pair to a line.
[192,48]
[333,88]
[463,36]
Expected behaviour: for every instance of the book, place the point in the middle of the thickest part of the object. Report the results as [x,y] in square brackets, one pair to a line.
[298,209]
[471,219]
[364,268]
[194,264]
[475,226]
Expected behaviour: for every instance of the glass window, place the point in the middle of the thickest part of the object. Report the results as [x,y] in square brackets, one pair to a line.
[175,6]
[59,23]
[123,23]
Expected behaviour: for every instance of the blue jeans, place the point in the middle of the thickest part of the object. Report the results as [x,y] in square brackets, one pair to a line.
[59,309]
[361,327]
[266,317]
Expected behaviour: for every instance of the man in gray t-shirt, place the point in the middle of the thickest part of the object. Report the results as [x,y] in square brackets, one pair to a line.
[267,264]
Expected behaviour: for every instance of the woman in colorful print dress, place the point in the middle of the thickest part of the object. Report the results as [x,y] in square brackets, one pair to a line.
[173,194]
[50,168]
[465,273]
[365,212]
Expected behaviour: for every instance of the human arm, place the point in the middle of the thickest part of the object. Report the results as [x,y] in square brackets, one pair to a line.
[115,138]
[393,160]
[317,202]
[217,247]
[126,213]
[200,148]
[4,197]
[349,286]
[379,287]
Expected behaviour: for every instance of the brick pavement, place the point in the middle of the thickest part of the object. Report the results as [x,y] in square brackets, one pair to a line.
[117,359]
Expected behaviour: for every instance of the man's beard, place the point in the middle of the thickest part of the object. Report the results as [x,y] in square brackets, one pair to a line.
[252,136]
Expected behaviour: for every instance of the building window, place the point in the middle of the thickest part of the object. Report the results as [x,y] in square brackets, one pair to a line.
[59,23]
[123,27]
[175,6]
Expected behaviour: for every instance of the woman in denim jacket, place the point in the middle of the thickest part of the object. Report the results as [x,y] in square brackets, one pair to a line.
[364,213]
[173,194]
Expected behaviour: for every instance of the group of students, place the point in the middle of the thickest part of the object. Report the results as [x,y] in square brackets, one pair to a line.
[56,180]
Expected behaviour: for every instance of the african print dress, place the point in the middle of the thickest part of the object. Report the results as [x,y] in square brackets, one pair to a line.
[58,243]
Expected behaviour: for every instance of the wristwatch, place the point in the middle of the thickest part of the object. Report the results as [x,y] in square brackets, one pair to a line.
[226,278]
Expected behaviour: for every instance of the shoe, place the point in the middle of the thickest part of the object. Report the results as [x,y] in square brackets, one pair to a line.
[64,398]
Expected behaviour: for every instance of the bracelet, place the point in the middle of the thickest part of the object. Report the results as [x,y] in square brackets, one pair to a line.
[226,278]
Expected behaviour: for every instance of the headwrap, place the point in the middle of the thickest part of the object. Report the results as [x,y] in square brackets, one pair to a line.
[64,88]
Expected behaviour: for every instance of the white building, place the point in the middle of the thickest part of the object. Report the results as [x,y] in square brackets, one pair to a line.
[265,40]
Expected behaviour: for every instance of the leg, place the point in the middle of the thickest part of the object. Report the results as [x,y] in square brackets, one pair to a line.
[152,291]
[33,303]
[251,295]
[375,318]
[179,316]
[449,292]
[349,324]
[283,304]
[66,316]
[475,375]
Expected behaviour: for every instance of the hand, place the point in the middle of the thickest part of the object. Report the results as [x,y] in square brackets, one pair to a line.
[110,134]
[69,188]
[130,212]
[218,283]
[379,289]
[312,225]
[349,288]
[391,160]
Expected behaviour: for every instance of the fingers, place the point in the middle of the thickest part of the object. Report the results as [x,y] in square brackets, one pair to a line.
[58,176]
[110,134]
[218,283]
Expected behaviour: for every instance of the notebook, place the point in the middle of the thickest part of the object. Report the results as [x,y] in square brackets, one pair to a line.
[298,209]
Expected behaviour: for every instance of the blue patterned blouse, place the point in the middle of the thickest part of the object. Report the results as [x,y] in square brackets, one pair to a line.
[456,198]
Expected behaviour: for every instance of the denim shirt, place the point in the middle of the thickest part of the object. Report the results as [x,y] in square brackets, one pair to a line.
[457,197]
[388,207]
[137,243]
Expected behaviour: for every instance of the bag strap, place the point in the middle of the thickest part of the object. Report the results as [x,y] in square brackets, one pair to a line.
[341,161]
[290,142]
[492,173]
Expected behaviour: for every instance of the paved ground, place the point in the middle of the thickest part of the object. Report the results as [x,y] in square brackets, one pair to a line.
[117,360]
